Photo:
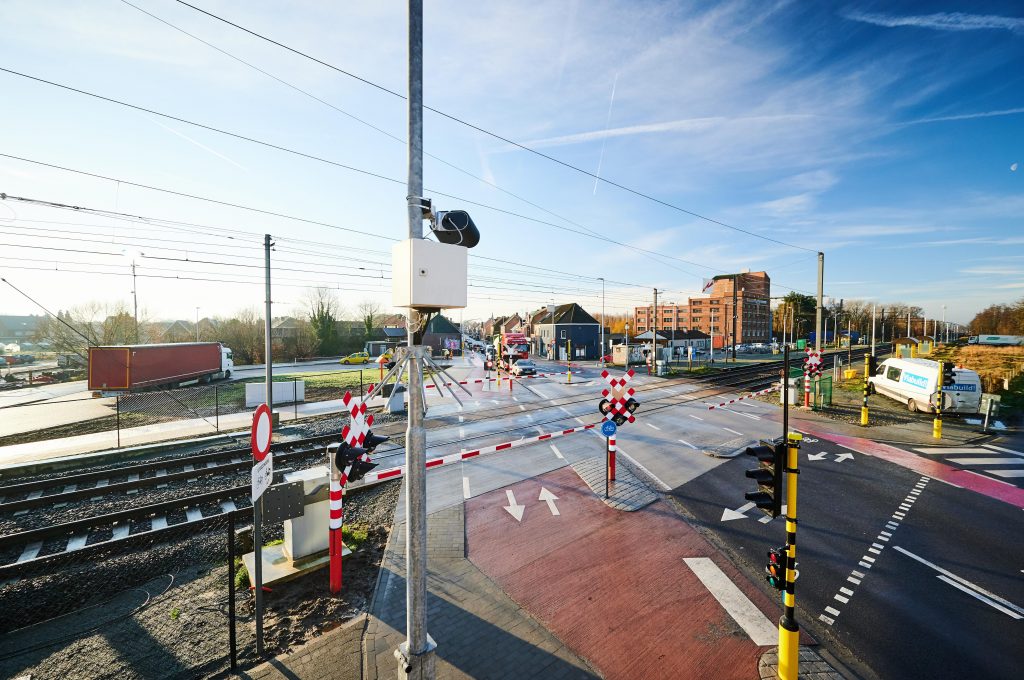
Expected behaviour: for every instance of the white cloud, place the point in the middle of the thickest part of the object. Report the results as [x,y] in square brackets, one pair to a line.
[941,21]
[966,116]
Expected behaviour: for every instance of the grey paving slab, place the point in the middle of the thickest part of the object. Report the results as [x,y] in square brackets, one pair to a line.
[626,493]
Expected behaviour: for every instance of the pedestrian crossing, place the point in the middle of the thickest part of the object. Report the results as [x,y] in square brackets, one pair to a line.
[997,461]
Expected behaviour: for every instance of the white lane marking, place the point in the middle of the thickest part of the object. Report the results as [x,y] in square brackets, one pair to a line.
[634,461]
[979,596]
[867,558]
[882,538]
[864,564]
[653,425]
[857,573]
[733,431]
[938,450]
[854,581]
[884,533]
[683,441]
[541,394]
[842,599]
[986,461]
[462,433]
[874,551]
[557,453]
[1005,473]
[754,623]
[582,422]
[827,619]
[978,589]
[745,415]
[694,417]
[465,488]
[462,419]
[833,611]
[567,411]
[1000,448]
[521,407]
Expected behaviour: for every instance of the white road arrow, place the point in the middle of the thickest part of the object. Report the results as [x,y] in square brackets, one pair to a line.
[728,514]
[513,509]
[817,456]
[550,499]
[843,456]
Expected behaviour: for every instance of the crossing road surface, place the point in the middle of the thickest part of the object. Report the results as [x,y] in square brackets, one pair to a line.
[915,577]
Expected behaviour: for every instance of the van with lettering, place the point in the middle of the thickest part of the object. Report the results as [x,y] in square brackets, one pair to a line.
[913,381]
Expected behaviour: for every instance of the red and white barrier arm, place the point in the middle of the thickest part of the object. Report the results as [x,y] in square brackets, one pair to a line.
[746,396]
[393,473]
[481,380]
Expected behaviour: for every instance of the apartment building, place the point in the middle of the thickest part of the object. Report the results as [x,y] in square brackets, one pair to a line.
[713,314]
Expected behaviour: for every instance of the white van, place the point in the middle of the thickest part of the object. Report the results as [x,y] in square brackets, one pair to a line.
[912,382]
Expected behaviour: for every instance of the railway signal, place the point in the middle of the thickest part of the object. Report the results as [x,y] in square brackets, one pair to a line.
[768,475]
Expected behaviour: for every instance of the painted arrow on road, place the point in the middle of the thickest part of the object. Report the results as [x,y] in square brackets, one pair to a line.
[514,509]
[550,499]
[728,514]
[817,456]
[843,456]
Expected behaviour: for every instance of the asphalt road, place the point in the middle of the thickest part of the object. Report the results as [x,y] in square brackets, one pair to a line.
[900,619]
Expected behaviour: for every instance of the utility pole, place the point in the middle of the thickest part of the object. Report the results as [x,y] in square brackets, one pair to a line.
[257,507]
[654,334]
[135,301]
[735,286]
[872,330]
[416,655]
[817,316]
[602,321]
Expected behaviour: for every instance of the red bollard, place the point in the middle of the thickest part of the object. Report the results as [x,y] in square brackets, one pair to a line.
[807,389]
[611,459]
[335,545]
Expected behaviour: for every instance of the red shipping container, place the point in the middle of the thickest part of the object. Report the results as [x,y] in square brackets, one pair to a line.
[131,367]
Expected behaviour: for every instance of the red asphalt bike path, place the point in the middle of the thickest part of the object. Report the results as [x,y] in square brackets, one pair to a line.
[964,479]
[613,585]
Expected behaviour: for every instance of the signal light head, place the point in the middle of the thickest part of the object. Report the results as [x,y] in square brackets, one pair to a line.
[372,441]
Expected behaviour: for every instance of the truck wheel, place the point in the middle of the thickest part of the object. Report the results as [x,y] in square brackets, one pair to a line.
[227,374]
[912,406]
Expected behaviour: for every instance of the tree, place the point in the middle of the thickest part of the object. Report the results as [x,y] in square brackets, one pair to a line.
[999,320]
[87,325]
[245,335]
[793,309]
[323,310]
[368,313]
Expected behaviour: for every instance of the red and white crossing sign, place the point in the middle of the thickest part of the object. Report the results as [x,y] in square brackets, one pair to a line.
[617,396]
[359,422]
[812,364]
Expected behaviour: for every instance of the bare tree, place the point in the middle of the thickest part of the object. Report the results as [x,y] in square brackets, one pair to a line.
[93,323]
[322,308]
[368,313]
[244,334]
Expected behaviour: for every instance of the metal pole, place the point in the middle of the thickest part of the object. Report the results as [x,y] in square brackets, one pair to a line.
[607,461]
[789,630]
[117,405]
[216,406]
[937,423]
[602,321]
[295,399]
[135,300]
[415,656]
[945,329]
[257,507]
[872,330]
[232,641]
[197,324]
[735,285]
[785,391]
[817,314]
[654,334]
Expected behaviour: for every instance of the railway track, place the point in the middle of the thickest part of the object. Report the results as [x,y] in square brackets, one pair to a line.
[31,547]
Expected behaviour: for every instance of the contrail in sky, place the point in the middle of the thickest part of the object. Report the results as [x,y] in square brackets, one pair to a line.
[200,145]
[607,124]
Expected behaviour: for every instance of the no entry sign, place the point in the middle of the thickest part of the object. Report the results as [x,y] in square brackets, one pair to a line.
[261,431]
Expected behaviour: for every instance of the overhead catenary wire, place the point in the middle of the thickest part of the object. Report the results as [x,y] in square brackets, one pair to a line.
[497,136]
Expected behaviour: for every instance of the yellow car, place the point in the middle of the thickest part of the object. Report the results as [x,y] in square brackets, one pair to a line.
[355,358]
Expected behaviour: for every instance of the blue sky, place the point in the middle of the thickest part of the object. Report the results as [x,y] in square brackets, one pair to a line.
[883,134]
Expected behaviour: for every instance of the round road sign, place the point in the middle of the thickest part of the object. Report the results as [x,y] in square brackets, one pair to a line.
[261,431]
[608,428]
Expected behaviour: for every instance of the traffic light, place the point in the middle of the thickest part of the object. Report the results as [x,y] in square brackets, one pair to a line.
[603,407]
[775,570]
[768,475]
[372,441]
[872,365]
[456,228]
[948,378]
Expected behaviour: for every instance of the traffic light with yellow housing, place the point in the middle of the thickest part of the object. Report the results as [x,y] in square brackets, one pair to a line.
[768,475]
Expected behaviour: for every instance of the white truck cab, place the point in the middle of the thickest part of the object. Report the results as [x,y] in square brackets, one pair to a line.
[227,362]
[913,381]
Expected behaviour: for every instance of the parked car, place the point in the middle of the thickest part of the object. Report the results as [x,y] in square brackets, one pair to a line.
[607,358]
[356,358]
[524,367]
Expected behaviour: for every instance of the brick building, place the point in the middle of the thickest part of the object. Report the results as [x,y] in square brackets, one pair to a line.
[713,314]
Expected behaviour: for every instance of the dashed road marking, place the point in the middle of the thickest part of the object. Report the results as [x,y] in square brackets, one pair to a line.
[683,441]
[557,453]
[653,425]
[733,431]
[465,488]
[966,586]
[694,417]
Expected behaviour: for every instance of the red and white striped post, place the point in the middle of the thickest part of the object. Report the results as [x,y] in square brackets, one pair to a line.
[807,388]
[611,458]
[335,544]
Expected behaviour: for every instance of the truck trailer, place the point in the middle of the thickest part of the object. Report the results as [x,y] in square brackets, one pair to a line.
[997,340]
[133,368]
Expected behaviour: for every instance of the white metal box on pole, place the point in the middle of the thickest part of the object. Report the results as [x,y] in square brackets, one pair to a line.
[427,275]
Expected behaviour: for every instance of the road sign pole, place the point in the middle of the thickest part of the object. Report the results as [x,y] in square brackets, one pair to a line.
[789,630]
[937,423]
[611,458]
[607,463]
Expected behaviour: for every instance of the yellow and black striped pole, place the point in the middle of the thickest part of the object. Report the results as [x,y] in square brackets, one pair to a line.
[937,423]
[789,631]
[864,406]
